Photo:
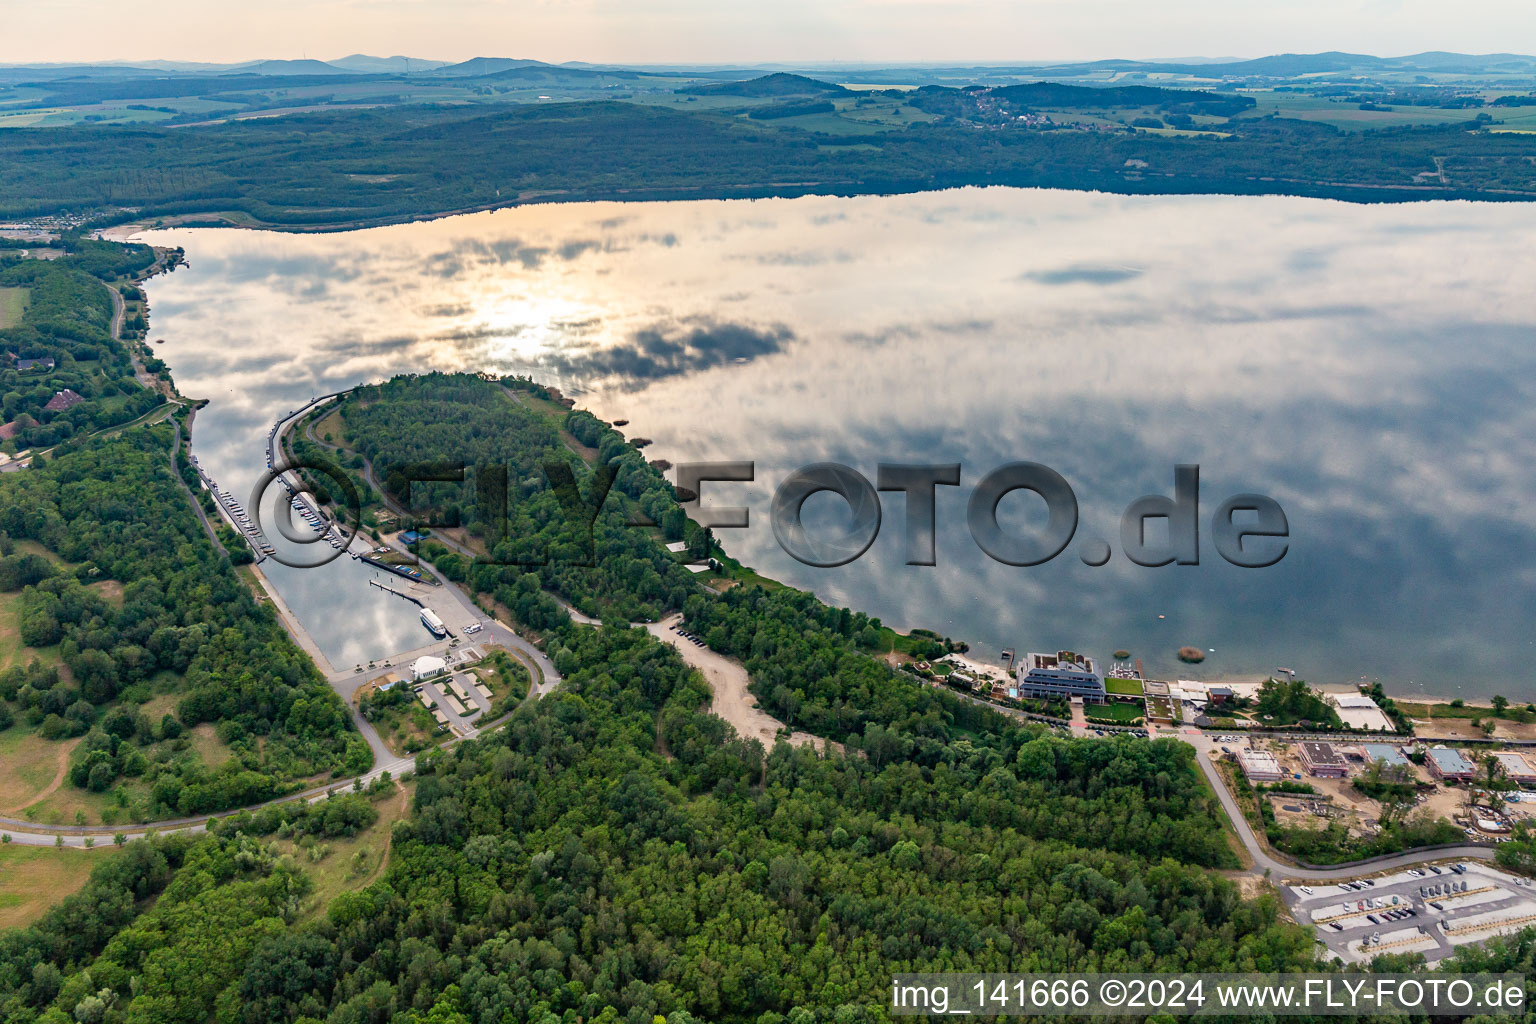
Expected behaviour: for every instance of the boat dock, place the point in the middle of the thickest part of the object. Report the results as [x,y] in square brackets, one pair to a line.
[398,593]
[236,515]
[409,572]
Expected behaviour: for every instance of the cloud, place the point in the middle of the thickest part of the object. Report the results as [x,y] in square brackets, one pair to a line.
[675,349]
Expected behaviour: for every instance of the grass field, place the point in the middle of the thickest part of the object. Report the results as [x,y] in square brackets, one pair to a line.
[1119,714]
[29,766]
[1123,687]
[34,878]
[13,303]
[342,865]
[1515,712]
[331,424]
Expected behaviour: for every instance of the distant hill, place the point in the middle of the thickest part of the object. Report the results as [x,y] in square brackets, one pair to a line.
[1290,65]
[288,67]
[779,84]
[480,66]
[385,65]
[549,74]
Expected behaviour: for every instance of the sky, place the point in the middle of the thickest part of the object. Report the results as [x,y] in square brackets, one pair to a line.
[733,31]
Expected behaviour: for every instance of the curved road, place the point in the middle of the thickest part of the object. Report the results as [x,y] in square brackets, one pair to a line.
[1265,863]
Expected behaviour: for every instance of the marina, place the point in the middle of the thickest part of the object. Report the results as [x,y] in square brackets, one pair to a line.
[236,515]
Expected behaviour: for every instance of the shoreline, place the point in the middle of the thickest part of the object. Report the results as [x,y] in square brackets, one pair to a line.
[134,229]
[1340,192]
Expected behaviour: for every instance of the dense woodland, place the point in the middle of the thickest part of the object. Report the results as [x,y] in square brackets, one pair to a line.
[615,854]
[68,319]
[569,534]
[111,512]
[347,167]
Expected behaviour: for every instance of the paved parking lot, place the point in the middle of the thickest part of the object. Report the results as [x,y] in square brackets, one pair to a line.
[1414,911]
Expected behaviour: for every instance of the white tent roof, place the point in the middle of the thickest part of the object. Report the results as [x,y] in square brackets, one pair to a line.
[426,665]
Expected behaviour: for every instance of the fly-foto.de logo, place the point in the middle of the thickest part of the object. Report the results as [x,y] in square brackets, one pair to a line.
[1248,530]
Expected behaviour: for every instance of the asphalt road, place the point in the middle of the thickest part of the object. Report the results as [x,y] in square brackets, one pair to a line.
[1264,862]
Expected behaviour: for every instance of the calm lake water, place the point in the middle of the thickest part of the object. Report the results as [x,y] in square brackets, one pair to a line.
[1372,368]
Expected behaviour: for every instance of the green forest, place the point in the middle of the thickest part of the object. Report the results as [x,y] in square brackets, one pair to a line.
[177,620]
[613,854]
[68,320]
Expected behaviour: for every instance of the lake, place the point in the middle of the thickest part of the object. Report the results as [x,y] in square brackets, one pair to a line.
[1370,368]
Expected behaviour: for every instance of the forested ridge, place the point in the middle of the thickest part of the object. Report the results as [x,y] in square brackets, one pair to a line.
[812,666]
[607,569]
[345,168]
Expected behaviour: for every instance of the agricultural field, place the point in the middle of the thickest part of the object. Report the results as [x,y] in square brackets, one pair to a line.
[1347,116]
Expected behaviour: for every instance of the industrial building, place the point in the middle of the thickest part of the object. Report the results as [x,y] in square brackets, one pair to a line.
[1517,768]
[1063,674]
[1322,760]
[1259,765]
[1391,756]
[1448,765]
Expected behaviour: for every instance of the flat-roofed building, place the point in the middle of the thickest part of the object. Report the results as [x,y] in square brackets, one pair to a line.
[1390,755]
[1259,765]
[1063,674]
[1322,760]
[1448,765]
[1358,711]
[1517,768]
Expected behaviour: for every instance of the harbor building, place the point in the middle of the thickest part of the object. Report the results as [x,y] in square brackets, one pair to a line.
[426,666]
[1063,674]
[1390,755]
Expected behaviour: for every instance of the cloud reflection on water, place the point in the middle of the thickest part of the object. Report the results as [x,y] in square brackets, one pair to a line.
[1369,367]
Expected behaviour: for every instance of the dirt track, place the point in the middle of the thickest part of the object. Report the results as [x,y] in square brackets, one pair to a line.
[728,682]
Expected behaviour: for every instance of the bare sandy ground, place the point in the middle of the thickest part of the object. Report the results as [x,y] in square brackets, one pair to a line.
[728,679]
